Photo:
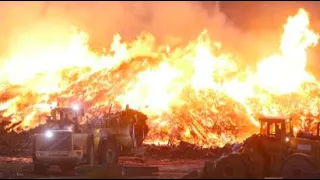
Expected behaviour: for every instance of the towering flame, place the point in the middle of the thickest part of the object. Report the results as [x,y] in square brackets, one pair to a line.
[194,93]
[288,67]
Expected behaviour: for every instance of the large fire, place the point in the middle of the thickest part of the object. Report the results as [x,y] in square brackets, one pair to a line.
[194,93]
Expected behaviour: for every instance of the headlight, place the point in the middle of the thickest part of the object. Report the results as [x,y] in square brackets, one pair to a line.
[75,107]
[49,134]
[69,128]
[287,139]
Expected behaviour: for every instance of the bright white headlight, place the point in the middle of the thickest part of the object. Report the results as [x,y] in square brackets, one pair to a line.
[48,134]
[75,107]
[69,128]
[287,139]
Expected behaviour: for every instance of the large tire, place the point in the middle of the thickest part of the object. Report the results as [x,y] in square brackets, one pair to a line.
[109,154]
[258,165]
[296,165]
[67,168]
[39,168]
[91,155]
[231,167]
[208,170]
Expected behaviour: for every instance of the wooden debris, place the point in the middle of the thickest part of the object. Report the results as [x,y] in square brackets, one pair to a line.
[187,150]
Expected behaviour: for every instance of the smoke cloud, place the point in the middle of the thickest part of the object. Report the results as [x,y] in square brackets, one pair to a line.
[170,22]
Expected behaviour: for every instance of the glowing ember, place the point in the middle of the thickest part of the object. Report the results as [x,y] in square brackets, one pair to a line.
[193,93]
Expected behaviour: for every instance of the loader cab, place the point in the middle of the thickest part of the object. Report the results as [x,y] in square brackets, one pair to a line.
[71,114]
[276,128]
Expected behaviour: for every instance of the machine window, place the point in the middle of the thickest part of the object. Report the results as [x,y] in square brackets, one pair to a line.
[272,128]
[59,115]
[288,128]
[264,130]
[63,115]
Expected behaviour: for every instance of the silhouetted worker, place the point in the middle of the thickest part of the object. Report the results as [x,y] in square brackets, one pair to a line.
[110,109]
[125,116]
[278,131]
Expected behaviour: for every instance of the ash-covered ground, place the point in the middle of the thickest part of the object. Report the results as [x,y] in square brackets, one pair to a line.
[21,167]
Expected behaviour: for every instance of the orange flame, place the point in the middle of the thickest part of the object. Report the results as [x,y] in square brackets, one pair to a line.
[193,93]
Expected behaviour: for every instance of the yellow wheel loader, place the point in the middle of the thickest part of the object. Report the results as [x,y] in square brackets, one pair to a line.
[66,143]
[274,152]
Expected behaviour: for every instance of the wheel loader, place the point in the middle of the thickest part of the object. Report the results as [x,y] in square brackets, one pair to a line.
[275,152]
[64,142]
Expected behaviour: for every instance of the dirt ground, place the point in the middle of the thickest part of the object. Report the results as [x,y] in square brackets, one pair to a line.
[21,167]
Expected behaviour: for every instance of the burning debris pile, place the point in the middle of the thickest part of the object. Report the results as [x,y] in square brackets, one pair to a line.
[194,94]
[12,143]
[188,151]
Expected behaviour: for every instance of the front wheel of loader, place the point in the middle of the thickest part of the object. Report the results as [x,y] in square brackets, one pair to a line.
[39,168]
[110,153]
[231,167]
[91,153]
[67,168]
[296,166]
[208,170]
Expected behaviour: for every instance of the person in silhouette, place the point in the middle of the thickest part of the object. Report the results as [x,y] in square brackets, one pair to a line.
[278,132]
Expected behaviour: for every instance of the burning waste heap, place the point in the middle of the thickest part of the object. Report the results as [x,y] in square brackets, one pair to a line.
[194,94]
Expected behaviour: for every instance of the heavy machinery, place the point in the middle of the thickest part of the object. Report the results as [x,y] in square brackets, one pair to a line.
[274,152]
[67,143]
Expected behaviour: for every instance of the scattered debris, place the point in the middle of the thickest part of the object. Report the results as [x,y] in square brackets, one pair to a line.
[187,150]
